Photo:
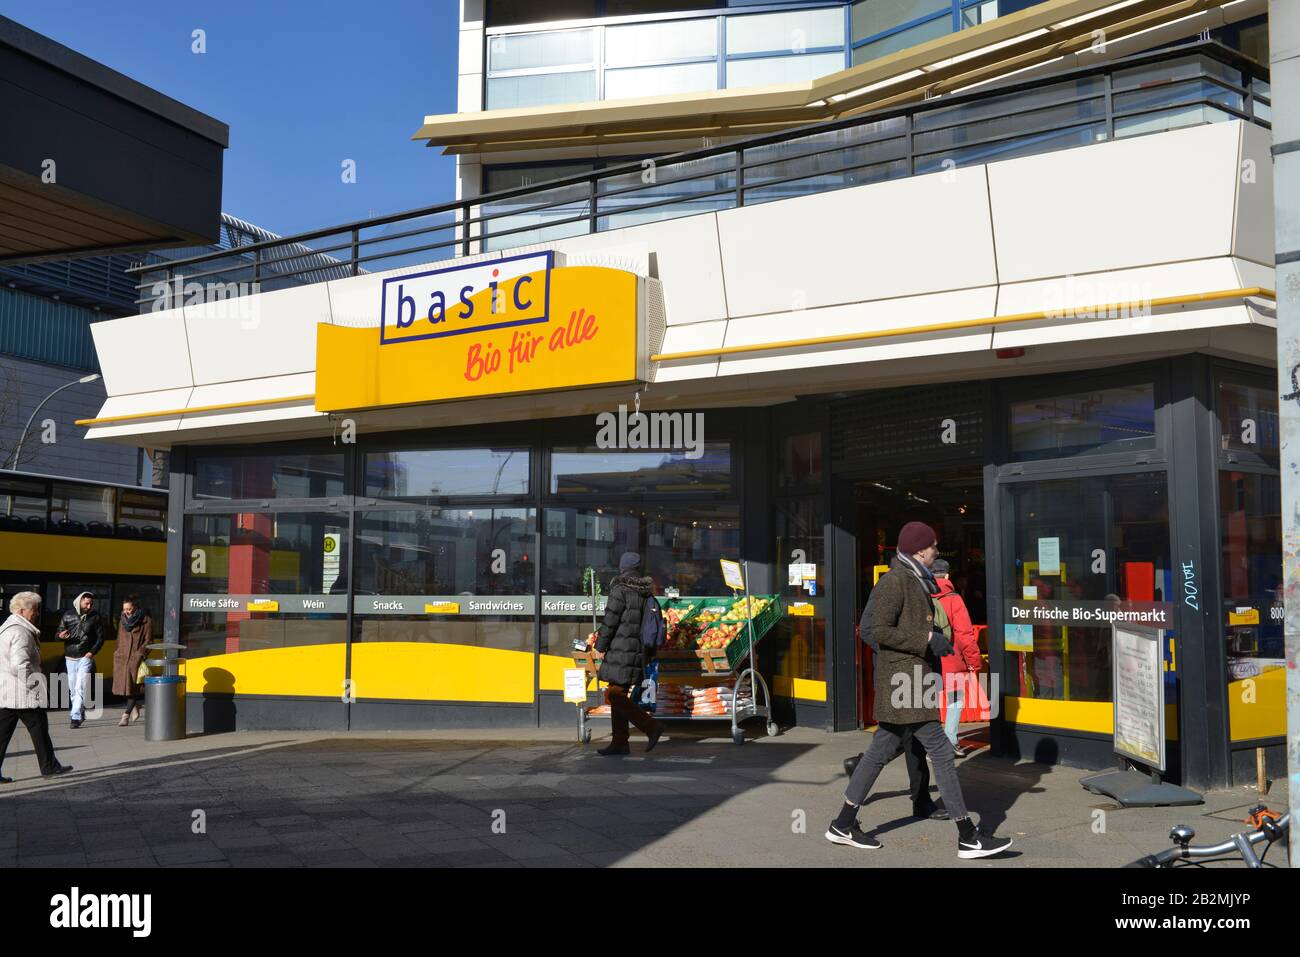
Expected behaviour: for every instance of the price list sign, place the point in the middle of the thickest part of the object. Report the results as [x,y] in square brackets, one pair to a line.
[1139,695]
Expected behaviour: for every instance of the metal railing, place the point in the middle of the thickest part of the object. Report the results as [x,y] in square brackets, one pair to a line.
[1166,89]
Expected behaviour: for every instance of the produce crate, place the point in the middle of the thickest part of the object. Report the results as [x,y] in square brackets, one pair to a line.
[738,648]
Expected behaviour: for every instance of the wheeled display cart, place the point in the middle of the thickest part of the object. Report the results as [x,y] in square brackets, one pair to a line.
[707,668]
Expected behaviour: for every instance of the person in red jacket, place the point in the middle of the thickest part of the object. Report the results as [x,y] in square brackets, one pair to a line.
[959,669]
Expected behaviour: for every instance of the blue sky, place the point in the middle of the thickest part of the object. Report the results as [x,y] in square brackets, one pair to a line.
[303,85]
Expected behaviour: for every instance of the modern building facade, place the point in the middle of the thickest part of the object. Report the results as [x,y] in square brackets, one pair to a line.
[1007,279]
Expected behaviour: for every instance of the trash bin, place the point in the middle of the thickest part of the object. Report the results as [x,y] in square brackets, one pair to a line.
[164,708]
[164,696]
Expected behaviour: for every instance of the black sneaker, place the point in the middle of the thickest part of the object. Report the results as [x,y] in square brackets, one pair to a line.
[74,723]
[613,750]
[61,769]
[853,837]
[654,737]
[930,812]
[980,844]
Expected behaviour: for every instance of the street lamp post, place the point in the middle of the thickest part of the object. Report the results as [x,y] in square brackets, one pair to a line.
[22,436]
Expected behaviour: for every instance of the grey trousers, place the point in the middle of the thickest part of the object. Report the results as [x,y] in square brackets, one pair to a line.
[887,744]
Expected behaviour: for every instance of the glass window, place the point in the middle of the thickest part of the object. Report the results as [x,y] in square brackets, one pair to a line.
[801,461]
[793,32]
[658,80]
[477,551]
[589,471]
[979,13]
[83,509]
[301,475]
[514,217]
[1248,420]
[441,473]
[930,30]
[642,43]
[139,513]
[679,547]
[23,507]
[1100,544]
[541,89]
[281,555]
[871,17]
[536,51]
[761,71]
[266,553]
[797,646]
[1119,419]
[447,552]
[1250,507]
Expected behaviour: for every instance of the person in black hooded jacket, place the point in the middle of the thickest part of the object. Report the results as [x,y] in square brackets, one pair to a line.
[619,639]
[82,631]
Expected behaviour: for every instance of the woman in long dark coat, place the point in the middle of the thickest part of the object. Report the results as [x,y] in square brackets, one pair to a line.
[134,633]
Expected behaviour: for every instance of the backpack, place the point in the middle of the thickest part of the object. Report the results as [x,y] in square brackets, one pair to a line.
[653,629]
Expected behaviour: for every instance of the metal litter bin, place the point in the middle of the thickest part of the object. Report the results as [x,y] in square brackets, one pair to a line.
[164,696]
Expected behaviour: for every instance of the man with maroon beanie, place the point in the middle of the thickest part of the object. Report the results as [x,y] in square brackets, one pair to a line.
[909,646]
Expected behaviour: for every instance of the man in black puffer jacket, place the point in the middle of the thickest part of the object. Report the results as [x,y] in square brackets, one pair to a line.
[619,640]
[82,631]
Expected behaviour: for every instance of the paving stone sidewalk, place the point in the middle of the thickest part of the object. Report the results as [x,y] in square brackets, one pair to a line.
[401,799]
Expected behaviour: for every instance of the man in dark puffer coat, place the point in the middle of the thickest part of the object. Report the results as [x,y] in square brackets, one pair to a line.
[619,640]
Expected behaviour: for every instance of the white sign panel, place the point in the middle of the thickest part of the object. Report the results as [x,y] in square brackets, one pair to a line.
[1139,694]
[575,685]
[1049,556]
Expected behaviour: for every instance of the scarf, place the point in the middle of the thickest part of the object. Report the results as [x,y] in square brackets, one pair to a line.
[923,575]
[132,621]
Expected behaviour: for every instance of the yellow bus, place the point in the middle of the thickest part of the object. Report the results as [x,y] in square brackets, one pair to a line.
[60,537]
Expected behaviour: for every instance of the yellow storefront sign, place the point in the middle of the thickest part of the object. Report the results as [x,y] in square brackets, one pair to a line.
[499,327]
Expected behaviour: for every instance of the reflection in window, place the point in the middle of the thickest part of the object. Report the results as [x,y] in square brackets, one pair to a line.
[589,471]
[1248,420]
[83,509]
[930,30]
[440,473]
[23,506]
[303,475]
[679,547]
[801,461]
[446,552]
[797,646]
[266,553]
[1251,516]
[534,51]
[1111,534]
[1105,420]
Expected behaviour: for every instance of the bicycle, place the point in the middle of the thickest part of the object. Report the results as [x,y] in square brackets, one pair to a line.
[1269,828]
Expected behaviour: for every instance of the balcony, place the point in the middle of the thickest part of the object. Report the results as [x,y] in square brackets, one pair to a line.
[1189,85]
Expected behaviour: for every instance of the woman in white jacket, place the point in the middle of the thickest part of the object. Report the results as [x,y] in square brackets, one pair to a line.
[23,692]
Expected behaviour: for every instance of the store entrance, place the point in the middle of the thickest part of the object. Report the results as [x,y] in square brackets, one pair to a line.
[951,501]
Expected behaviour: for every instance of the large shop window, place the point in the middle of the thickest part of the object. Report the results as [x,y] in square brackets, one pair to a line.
[594,471]
[429,474]
[1251,518]
[258,580]
[1121,419]
[1086,549]
[679,546]
[290,475]
[463,562]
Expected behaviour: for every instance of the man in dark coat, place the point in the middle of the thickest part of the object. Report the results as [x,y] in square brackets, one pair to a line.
[908,684]
[82,631]
[619,640]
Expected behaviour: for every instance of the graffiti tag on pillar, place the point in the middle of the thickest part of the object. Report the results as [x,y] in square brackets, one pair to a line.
[1191,593]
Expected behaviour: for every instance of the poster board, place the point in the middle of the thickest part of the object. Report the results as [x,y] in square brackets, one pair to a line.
[1139,691]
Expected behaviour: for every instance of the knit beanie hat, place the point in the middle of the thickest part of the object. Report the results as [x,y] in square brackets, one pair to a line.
[628,562]
[916,537]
